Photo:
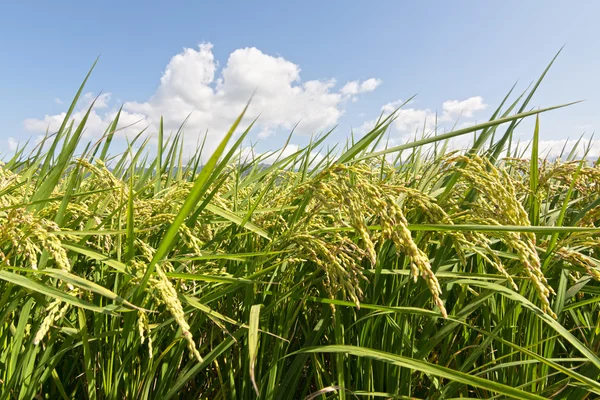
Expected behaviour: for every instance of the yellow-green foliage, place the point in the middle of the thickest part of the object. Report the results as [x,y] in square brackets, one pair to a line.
[427,274]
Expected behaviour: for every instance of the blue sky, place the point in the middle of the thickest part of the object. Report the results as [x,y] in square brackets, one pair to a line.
[465,53]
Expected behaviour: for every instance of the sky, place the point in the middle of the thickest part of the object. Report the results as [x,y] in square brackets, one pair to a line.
[318,64]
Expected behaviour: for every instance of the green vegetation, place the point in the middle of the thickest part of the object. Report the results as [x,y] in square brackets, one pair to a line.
[410,272]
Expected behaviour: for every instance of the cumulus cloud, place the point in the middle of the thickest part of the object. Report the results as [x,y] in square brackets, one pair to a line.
[52,122]
[269,157]
[356,87]
[12,144]
[411,120]
[465,108]
[194,85]
[98,120]
[554,148]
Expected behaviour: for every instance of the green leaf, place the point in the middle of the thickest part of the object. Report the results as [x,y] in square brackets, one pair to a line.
[459,132]
[52,292]
[119,266]
[87,285]
[241,222]
[423,367]
[534,205]
[199,188]
[253,343]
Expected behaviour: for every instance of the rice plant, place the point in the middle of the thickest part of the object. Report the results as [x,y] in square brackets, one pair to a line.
[408,272]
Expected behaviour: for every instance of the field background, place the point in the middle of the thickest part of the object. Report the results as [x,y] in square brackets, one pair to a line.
[369,272]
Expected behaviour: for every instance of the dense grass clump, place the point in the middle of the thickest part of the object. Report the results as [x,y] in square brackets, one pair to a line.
[409,272]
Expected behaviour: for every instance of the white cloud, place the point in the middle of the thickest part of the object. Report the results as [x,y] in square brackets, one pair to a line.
[465,108]
[413,123]
[58,100]
[554,148]
[193,83]
[407,120]
[98,119]
[52,122]
[95,125]
[355,87]
[391,107]
[269,157]
[12,144]
[100,102]
[410,120]
[369,85]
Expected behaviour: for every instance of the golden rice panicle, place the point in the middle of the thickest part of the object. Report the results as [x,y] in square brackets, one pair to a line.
[165,292]
[53,246]
[532,267]
[54,312]
[395,228]
[51,311]
[337,257]
[500,200]
[581,260]
[18,228]
[168,295]
[348,194]
[102,176]
[475,240]
[499,204]
[591,218]
[144,330]
[26,233]
[332,200]
[559,175]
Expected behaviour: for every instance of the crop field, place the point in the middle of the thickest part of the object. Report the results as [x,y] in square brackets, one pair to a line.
[363,272]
